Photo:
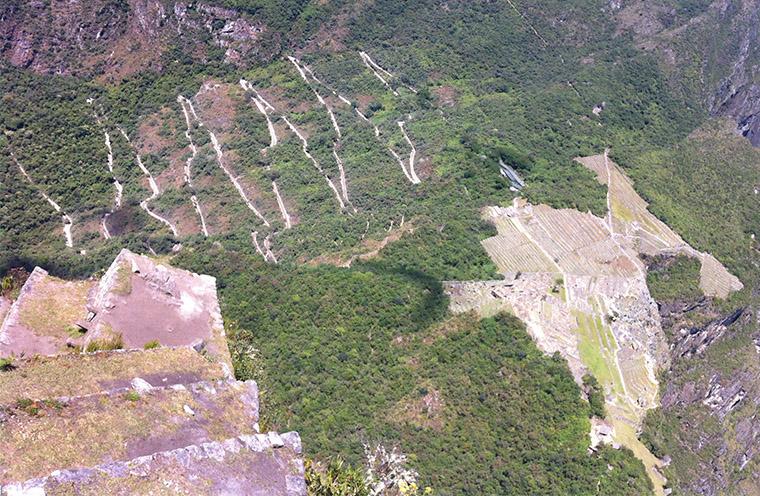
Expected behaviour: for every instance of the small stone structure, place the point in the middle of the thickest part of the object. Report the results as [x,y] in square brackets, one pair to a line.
[170,419]
[137,299]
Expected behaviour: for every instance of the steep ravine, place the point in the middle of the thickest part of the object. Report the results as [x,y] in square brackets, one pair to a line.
[709,420]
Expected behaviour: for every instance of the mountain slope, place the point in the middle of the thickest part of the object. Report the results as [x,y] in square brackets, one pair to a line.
[256,137]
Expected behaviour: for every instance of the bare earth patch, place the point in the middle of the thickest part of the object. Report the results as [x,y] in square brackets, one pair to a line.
[367,250]
[446,96]
[423,408]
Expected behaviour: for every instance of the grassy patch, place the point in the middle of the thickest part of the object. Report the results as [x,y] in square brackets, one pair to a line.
[113,342]
[123,283]
[28,406]
[77,375]
[54,306]
[53,403]
[596,345]
[75,331]
[6,364]
[132,396]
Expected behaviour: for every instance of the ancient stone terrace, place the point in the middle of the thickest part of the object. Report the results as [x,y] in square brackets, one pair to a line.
[577,282]
[166,420]
[137,300]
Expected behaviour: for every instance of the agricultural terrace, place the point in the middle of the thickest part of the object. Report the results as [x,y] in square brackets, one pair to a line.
[577,282]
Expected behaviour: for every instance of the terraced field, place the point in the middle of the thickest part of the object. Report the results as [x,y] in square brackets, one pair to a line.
[577,282]
[629,217]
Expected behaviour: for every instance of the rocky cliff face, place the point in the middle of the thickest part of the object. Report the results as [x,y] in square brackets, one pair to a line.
[708,421]
[710,47]
[115,39]
[737,94]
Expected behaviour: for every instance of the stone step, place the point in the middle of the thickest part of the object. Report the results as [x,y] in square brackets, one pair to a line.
[38,438]
[41,378]
[258,465]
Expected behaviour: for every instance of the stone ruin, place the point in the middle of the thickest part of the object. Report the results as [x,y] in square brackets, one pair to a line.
[167,419]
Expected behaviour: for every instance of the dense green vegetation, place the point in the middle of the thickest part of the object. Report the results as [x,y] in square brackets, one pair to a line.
[350,354]
[512,96]
[714,210]
[595,393]
[672,279]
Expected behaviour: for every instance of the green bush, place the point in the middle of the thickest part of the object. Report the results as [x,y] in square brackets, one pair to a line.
[115,342]
[595,394]
[336,478]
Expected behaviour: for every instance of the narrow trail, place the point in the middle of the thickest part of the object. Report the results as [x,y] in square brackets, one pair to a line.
[381,73]
[266,252]
[377,70]
[68,223]
[527,23]
[401,163]
[117,185]
[119,189]
[343,185]
[281,205]
[305,148]
[366,119]
[104,226]
[302,70]
[263,107]
[153,187]
[409,172]
[197,206]
[412,154]
[268,248]
[232,178]
[220,161]
[188,165]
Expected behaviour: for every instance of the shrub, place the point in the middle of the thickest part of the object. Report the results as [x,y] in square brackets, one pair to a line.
[151,345]
[337,478]
[53,403]
[114,342]
[6,364]
[132,396]
[28,406]
[75,331]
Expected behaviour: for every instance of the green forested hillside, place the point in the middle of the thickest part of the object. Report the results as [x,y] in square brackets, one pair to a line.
[348,353]
[509,89]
